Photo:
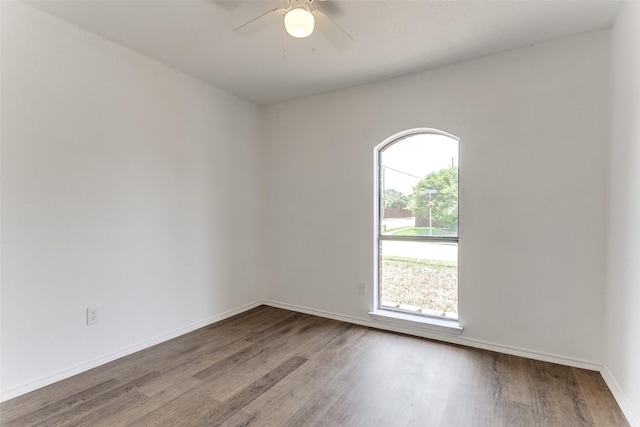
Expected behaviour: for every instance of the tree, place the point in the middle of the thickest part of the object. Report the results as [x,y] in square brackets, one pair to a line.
[395,199]
[444,208]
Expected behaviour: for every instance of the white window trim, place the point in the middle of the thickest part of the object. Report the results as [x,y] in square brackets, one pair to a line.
[425,322]
[393,317]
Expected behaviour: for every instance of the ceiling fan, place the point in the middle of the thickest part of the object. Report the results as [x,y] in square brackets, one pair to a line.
[300,22]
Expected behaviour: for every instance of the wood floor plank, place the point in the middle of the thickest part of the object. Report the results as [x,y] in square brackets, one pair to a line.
[273,367]
[314,387]
[515,381]
[254,390]
[100,415]
[192,366]
[252,322]
[166,356]
[517,414]
[38,399]
[192,346]
[381,381]
[557,400]
[287,340]
[187,409]
[94,405]
[599,400]
[239,419]
[281,328]
[62,405]
[142,407]
[171,385]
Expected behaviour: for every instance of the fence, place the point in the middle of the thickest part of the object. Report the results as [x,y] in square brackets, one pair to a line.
[397,213]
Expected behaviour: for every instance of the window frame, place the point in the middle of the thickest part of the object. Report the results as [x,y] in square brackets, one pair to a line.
[379,237]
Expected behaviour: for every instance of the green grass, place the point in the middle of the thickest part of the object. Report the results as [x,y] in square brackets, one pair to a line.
[424,231]
[394,230]
[407,262]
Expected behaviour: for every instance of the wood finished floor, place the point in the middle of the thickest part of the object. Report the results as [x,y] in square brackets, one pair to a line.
[272,367]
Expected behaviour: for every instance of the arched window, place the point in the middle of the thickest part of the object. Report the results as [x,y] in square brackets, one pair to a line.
[417,224]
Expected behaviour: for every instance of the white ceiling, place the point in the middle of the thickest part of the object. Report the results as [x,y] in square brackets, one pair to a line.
[391,38]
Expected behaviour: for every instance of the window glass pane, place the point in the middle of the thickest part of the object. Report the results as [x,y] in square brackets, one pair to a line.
[419,186]
[419,277]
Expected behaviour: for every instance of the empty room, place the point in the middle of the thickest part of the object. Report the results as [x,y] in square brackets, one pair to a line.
[326,212]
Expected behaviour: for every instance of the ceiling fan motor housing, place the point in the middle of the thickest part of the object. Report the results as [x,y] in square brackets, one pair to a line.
[299,21]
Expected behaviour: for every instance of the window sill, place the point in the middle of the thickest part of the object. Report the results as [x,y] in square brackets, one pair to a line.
[404,319]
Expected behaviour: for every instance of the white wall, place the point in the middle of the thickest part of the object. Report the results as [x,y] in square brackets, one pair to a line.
[623,280]
[118,174]
[533,125]
[125,185]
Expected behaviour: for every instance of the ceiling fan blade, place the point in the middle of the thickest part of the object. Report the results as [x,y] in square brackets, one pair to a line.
[338,37]
[259,23]
[330,8]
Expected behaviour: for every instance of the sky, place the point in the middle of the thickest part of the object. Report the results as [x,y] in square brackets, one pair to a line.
[411,159]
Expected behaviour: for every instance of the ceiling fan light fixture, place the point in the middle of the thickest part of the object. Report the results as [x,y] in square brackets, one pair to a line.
[299,22]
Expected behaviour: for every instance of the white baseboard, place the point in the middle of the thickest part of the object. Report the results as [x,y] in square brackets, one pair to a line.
[454,339]
[90,364]
[620,396]
[630,412]
[43,381]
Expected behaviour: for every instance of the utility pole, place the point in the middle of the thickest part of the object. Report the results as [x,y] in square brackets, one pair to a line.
[430,192]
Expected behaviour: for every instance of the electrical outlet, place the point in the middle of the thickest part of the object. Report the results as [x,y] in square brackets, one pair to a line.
[93,316]
[360,288]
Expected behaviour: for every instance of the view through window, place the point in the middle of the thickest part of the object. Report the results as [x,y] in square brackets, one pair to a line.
[418,225]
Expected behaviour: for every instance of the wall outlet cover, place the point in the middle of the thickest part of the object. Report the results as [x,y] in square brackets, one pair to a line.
[93,315]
